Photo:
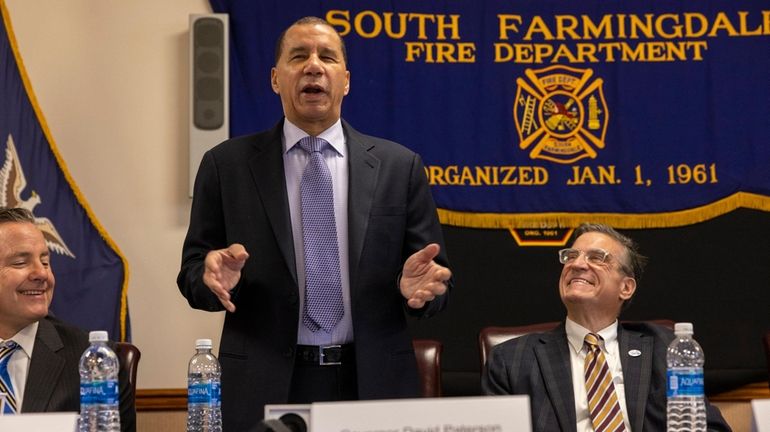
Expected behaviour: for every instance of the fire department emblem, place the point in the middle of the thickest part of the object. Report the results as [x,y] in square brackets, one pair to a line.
[560,114]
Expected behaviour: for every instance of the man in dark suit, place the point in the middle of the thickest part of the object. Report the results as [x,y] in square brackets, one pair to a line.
[245,251]
[43,369]
[599,276]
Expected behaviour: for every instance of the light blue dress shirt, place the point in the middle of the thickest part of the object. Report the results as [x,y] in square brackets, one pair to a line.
[294,161]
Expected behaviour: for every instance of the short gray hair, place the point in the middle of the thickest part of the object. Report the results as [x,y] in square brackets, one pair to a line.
[16,214]
[633,263]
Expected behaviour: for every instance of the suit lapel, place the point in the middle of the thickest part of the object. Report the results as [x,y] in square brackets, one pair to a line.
[363,171]
[554,360]
[637,372]
[44,369]
[267,156]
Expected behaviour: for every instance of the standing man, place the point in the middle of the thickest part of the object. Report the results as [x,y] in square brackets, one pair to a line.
[39,355]
[317,240]
[621,366]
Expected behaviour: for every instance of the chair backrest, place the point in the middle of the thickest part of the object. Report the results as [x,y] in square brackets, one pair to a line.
[428,352]
[494,335]
[491,336]
[766,341]
[129,355]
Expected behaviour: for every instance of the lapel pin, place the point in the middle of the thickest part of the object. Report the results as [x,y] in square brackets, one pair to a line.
[634,353]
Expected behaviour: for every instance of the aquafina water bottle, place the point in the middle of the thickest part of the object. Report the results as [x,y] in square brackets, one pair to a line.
[686,410]
[204,412]
[99,391]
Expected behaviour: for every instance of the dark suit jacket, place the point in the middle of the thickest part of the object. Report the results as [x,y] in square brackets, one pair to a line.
[240,196]
[53,379]
[539,365]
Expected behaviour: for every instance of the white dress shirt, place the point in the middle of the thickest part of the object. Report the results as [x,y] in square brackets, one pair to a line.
[18,365]
[576,335]
[294,161]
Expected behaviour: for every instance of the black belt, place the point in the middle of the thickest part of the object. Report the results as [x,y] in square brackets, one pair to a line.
[328,355]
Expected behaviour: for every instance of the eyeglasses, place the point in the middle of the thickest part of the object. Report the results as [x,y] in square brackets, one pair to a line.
[596,257]
[593,256]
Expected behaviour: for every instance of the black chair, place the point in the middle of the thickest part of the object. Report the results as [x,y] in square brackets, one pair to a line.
[129,355]
[493,335]
[428,353]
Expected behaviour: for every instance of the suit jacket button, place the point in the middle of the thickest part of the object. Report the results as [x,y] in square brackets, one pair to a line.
[289,353]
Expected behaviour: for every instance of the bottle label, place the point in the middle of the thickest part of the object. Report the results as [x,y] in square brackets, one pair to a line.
[216,396]
[684,382]
[205,392]
[99,393]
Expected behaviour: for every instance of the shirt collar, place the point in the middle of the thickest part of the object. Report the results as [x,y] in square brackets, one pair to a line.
[26,338]
[576,334]
[334,135]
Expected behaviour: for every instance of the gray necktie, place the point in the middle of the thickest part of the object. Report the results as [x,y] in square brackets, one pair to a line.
[323,286]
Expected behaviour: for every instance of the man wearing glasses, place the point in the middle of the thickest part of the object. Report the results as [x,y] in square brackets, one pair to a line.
[592,373]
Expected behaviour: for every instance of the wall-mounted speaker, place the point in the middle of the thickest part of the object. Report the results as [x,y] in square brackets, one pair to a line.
[209,86]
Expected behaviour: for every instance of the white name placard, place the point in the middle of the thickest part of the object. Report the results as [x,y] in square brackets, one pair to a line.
[467,414]
[43,422]
[760,409]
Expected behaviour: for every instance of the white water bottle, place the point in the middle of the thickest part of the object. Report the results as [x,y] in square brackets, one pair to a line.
[99,391]
[204,413]
[686,410]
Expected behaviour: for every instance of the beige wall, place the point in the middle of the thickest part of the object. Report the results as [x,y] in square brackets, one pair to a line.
[111,79]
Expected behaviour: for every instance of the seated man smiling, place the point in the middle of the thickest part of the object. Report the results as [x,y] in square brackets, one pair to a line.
[625,364]
[39,354]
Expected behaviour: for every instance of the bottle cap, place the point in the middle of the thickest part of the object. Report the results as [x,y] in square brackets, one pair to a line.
[203,343]
[683,328]
[97,336]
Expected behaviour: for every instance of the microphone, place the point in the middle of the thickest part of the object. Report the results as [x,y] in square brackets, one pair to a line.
[289,422]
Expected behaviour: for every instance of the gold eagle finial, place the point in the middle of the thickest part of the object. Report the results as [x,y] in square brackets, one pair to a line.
[12,183]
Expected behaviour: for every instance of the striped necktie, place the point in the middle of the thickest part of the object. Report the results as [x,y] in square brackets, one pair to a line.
[7,349]
[323,283]
[603,405]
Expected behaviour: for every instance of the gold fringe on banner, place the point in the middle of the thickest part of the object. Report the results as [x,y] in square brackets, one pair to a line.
[617,220]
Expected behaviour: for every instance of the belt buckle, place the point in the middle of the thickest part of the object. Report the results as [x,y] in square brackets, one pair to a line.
[322,356]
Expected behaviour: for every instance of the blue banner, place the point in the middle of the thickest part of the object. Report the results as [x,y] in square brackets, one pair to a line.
[91,274]
[544,113]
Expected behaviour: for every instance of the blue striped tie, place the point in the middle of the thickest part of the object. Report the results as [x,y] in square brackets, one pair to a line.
[6,351]
[323,285]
